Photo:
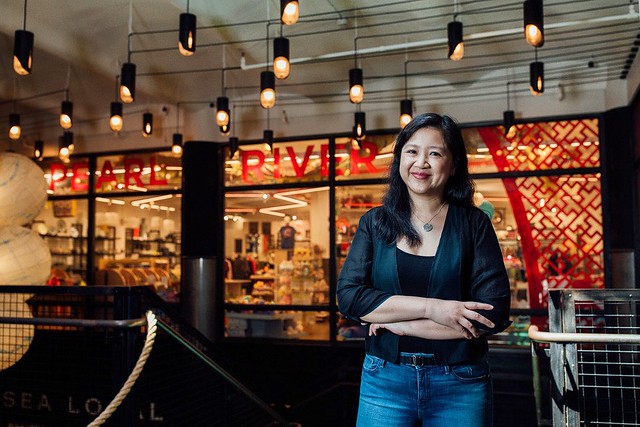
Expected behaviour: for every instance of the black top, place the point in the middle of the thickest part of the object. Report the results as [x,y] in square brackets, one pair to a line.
[412,271]
[468,266]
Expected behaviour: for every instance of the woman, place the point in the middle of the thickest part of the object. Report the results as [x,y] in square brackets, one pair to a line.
[425,272]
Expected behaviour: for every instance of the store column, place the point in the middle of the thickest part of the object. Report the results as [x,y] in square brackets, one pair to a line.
[618,198]
[202,202]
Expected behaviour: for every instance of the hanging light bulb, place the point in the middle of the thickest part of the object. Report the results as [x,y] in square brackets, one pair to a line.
[22,52]
[115,119]
[63,148]
[267,89]
[406,112]
[360,126]
[509,118]
[454,37]
[533,22]
[66,114]
[15,130]
[281,65]
[38,150]
[536,78]
[234,144]
[267,137]
[176,147]
[187,34]
[222,111]
[68,140]
[128,83]
[356,89]
[147,124]
[289,11]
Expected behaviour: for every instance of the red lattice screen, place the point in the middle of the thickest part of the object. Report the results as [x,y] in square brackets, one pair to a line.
[559,218]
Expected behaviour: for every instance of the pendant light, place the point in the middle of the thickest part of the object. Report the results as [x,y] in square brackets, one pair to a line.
[225,129]
[176,146]
[23,48]
[454,37]
[66,114]
[68,139]
[536,77]
[360,126]
[356,88]
[222,111]
[15,130]
[63,147]
[406,111]
[509,118]
[38,150]
[267,137]
[533,22]
[281,64]
[289,11]
[234,144]
[147,124]
[128,83]
[187,33]
[267,89]
[115,119]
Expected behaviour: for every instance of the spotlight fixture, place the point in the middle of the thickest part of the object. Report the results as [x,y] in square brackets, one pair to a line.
[14,126]
[406,112]
[360,126]
[225,129]
[147,124]
[63,147]
[267,89]
[128,82]
[23,48]
[533,22]
[38,150]
[509,118]
[267,136]
[187,33]
[222,111]
[454,37]
[115,119]
[356,89]
[234,144]
[536,78]
[281,64]
[66,114]
[176,147]
[289,11]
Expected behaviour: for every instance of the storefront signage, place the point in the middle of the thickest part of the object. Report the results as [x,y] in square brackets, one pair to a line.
[132,173]
[361,162]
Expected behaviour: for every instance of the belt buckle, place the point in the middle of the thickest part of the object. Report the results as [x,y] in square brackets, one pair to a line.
[416,360]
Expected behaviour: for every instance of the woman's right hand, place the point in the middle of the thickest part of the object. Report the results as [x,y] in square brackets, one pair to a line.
[458,315]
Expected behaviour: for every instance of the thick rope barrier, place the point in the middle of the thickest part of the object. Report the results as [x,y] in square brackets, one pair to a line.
[152,327]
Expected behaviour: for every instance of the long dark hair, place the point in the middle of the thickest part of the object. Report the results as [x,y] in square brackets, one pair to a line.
[394,218]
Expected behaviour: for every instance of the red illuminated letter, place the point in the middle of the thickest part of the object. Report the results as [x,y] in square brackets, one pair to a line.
[356,160]
[80,172]
[300,168]
[128,173]
[152,178]
[58,174]
[255,169]
[106,176]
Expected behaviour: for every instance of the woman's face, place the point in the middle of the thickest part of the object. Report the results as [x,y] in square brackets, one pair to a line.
[426,163]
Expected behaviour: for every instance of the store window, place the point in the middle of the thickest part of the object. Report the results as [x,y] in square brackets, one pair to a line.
[66,178]
[367,159]
[63,226]
[285,162]
[138,242]
[277,254]
[138,172]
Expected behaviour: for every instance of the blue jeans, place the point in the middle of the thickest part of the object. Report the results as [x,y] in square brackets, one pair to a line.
[406,395]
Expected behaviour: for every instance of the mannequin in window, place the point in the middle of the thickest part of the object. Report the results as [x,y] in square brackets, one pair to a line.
[287,234]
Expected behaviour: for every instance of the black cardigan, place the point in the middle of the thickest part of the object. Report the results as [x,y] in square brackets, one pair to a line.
[468,266]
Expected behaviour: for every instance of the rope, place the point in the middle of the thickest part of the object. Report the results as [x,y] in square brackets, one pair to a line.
[152,326]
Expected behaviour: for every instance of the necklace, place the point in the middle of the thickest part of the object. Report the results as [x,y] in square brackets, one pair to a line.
[427,227]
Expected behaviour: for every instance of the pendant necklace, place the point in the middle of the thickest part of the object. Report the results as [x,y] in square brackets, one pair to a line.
[427,227]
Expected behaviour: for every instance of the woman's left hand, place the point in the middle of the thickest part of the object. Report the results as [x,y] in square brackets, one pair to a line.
[375,328]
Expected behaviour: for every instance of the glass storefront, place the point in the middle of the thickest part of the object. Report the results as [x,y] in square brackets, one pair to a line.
[540,187]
